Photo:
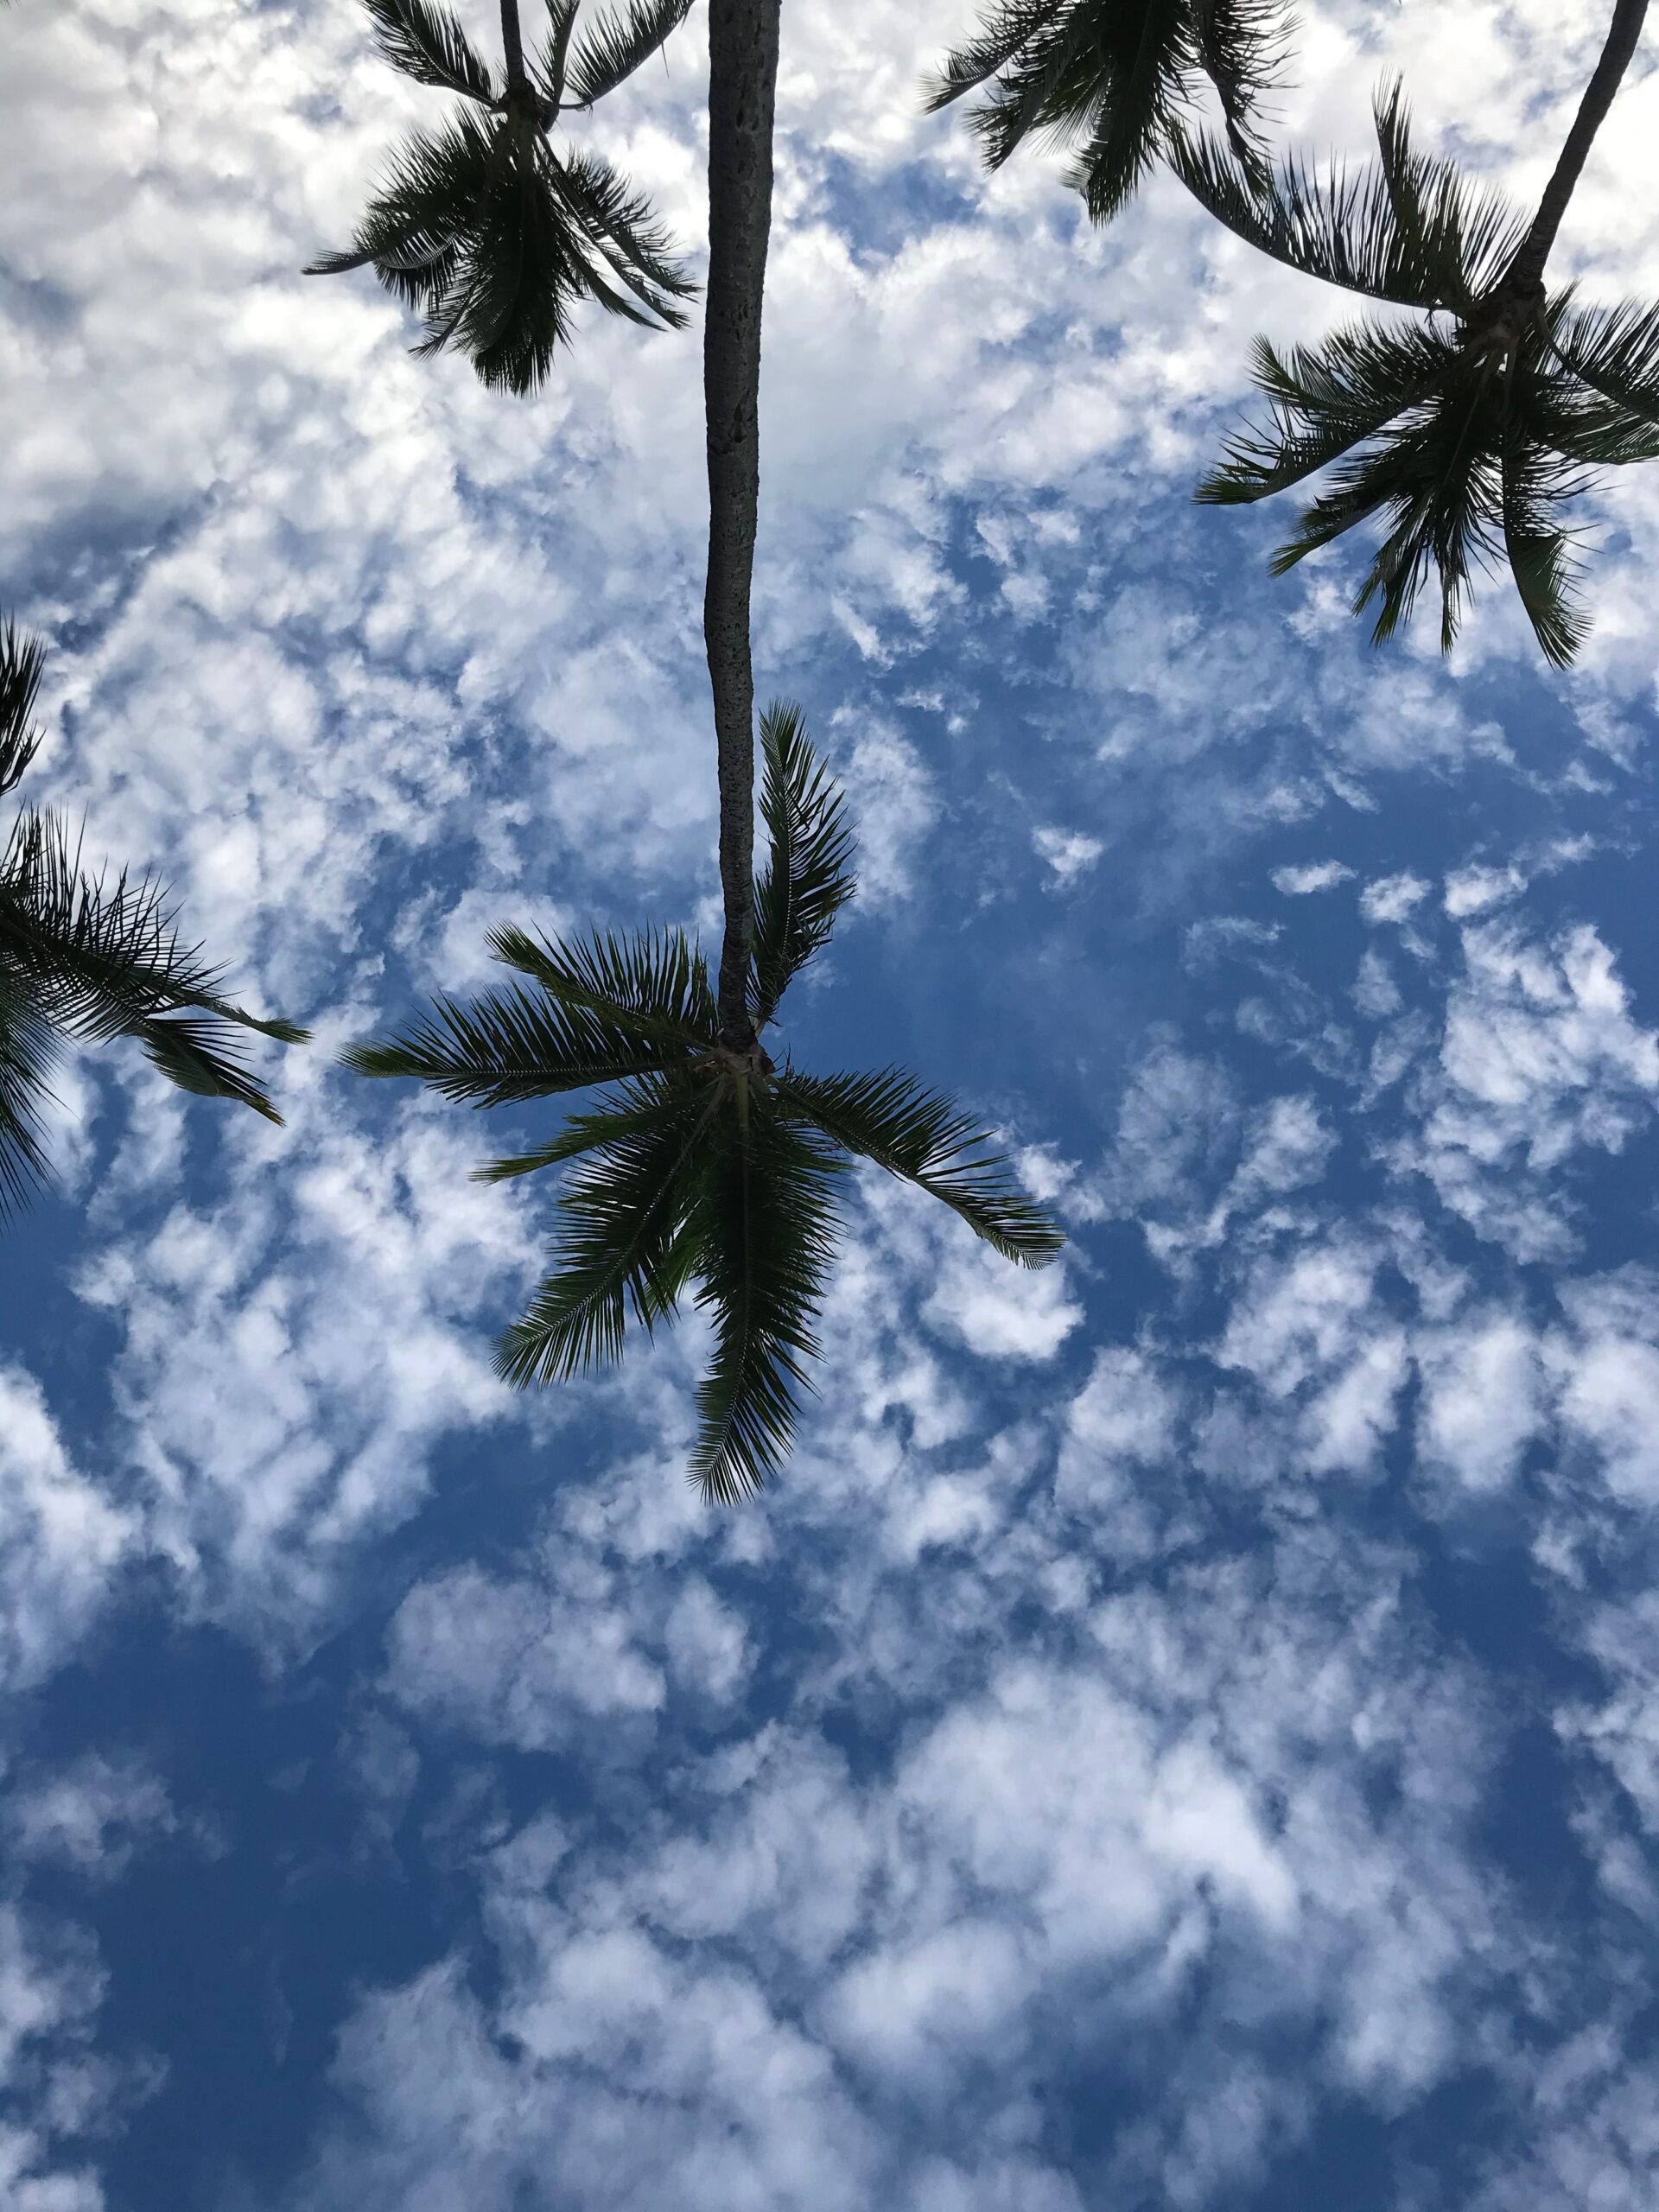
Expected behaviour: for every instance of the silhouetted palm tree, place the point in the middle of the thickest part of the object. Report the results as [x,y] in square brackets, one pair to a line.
[701,1163]
[1467,432]
[82,959]
[1117,79]
[487,229]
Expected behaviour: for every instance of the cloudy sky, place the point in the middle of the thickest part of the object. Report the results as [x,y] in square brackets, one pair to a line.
[1184,1733]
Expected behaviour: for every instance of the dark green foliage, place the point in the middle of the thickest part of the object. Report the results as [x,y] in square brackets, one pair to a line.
[485,230]
[85,960]
[700,1165]
[1465,435]
[1116,80]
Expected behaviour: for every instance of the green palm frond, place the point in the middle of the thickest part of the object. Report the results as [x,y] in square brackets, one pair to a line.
[1323,400]
[1116,79]
[509,1046]
[653,985]
[101,960]
[1408,229]
[29,1052]
[615,44]
[427,43]
[21,658]
[1615,352]
[896,1121]
[549,65]
[495,240]
[617,223]
[762,1225]
[1004,29]
[618,1243]
[808,876]
[1539,552]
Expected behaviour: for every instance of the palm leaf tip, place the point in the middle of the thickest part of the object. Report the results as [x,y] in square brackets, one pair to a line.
[807,878]
[22,660]
[895,1122]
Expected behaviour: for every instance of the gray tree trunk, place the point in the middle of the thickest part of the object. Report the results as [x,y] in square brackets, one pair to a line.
[514,44]
[743,85]
[1527,270]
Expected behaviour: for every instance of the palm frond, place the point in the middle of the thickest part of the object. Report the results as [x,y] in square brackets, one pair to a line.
[423,212]
[549,63]
[1615,352]
[21,658]
[28,1050]
[892,1119]
[1539,552]
[808,877]
[1241,48]
[1135,109]
[638,1102]
[615,44]
[102,960]
[1004,29]
[762,1228]
[619,1242]
[1408,230]
[618,224]
[427,43]
[1323,400]
[510,1046]
[652,986]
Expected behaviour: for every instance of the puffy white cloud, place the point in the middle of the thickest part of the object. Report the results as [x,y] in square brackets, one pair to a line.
[63,1539]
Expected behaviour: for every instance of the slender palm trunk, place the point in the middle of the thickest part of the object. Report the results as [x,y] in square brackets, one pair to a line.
[514,44]
[1526,274]
[742,85]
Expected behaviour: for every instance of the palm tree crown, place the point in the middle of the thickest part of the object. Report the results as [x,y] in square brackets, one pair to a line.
[700,1163]
[83,959]
[1467,432]
[1116,79]
[487,229]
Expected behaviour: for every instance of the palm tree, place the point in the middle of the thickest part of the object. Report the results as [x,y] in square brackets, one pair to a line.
[82,959]
[1470,431]
[487,230]
[702,1162]
[1118,79]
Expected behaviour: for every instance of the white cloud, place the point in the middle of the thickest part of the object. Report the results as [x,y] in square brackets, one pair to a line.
[1317,875]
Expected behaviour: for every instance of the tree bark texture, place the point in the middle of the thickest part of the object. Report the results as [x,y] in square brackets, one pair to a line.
[513,40]
[742,86]
[1527,270]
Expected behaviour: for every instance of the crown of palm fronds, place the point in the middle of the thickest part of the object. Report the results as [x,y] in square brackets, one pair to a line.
[83,959]
[483,226]
[1118,81]
[700,1166]
[1468,434]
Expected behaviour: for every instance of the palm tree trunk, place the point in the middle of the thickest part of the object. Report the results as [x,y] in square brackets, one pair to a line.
[742,85]
[1526,274]
[514,44]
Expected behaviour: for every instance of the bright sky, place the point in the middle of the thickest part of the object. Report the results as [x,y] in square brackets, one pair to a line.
[1184,1731]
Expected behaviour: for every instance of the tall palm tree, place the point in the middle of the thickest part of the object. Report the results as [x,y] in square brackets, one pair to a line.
[1467,432]
[702,1163]
[83,959]
[1116,79]
[484,226]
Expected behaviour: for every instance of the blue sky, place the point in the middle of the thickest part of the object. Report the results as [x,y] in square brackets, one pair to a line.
[1185,1730]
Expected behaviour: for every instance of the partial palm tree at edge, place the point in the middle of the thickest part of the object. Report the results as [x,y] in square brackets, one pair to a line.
[1469,433]
[703,1162]
[85,960]
[1118,81]
[487,229]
